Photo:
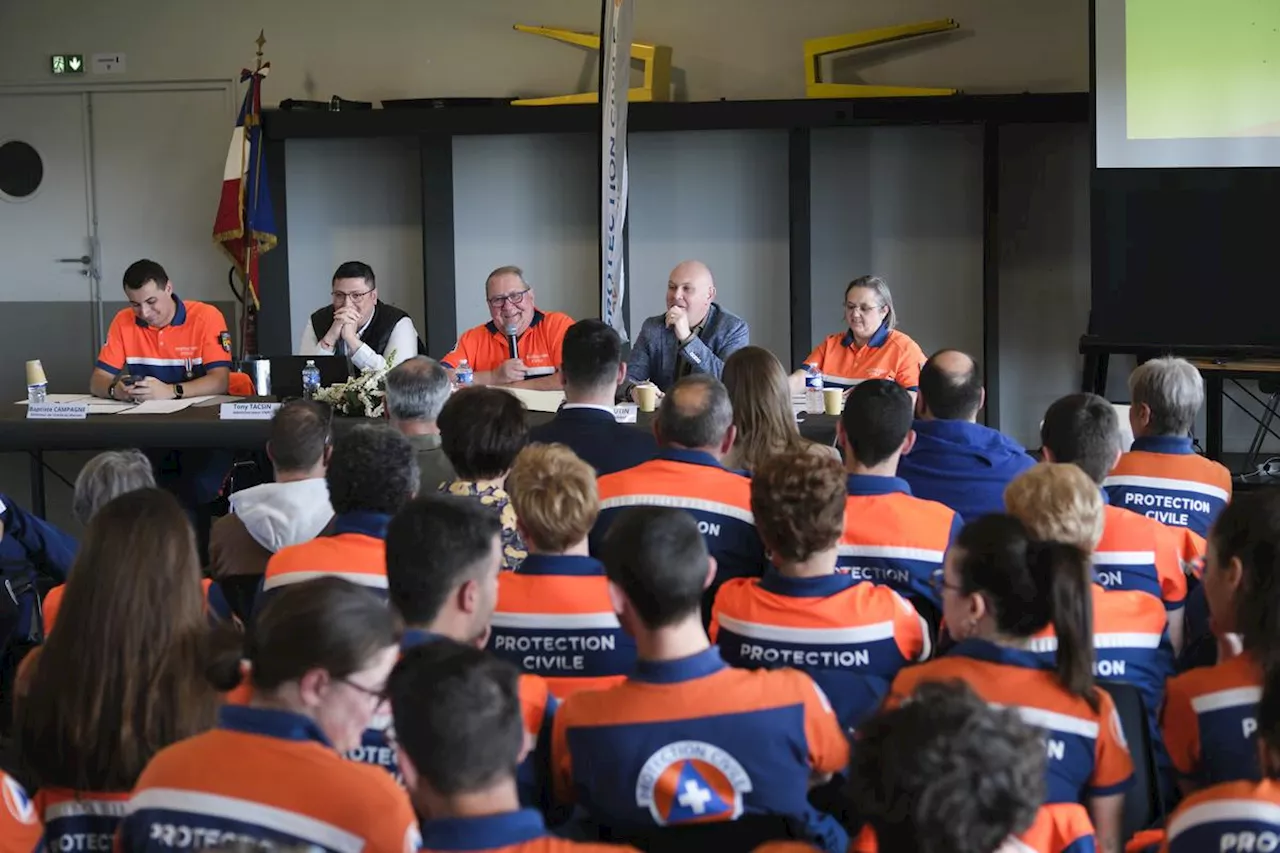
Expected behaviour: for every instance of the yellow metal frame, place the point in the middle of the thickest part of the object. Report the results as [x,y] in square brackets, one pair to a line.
[815,49]
[656,59]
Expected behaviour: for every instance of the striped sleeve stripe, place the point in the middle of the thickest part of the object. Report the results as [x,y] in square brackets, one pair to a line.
[1224,810]
[1124,558]
[1223,699]
[892,552]
[554,621]
[1165,484]
[807,636]
[85,808]
[1055,722]
[164,362]
[299,826]
[736,513]
[1100,641]
[371,581]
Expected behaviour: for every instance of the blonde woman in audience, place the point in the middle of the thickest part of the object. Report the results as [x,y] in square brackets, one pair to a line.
[762,412]
[98,701]
[319,653]
[559,592]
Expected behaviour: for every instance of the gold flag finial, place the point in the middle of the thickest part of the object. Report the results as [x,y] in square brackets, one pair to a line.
[260,41]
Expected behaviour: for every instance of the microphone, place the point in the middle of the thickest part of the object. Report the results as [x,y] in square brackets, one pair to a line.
[512,347]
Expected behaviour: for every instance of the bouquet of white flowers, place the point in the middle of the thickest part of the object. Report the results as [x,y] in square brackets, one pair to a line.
[362,396]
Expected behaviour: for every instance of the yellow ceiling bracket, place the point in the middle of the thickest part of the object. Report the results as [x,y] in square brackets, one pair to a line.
[656,59]
[815,49]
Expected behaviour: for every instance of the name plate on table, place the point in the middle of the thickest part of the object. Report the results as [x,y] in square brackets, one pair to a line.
[625,413]
[247,411]
[57,411]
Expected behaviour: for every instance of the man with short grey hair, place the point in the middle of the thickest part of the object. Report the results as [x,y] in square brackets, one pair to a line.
[109,475]
[417,390]
[1162,476]
[695,430]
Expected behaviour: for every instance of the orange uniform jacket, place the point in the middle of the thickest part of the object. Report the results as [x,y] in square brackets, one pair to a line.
[356,552]
[1210,721]
[79,820]
[513,832]
[1063,829]
[265,775]
[693,741]
[851,638]
[1136,553]
[19,821]
[1163,477]
[1087,753]
[1243,817]
[53,602]
[195,342]
[554,619]
[486,347]
[888,355]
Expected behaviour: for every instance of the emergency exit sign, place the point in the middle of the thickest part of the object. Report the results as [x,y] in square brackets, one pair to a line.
[66,63]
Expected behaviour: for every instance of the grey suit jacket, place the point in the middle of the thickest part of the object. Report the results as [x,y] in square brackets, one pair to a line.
[656,353]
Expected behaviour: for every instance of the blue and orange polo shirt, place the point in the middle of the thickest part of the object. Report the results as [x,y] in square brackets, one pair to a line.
[486,348]
[1233,816]
[1210,721]
[1164,478]
[356,552]
[888,355]
[195,342]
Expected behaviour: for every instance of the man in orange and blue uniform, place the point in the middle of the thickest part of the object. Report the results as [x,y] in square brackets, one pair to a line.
[554,617]
[852,637]
[164,348]
[1162,476]
[372,474]
[443,557]
[695,431]
[890,536]
[539,337]
[459,737]
[686,739]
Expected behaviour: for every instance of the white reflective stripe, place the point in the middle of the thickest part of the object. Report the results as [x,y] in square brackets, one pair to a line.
[1224,810]
[1015,845]
[1234,698]
[846,381]
[360,579]
[680,502]
[807,636]
[891,552]
[553,621]
[1166,484]
[164,362]
[1124,558]
[1039,645]
[1126,641]
[81,808]
[299,826]
[1053,721]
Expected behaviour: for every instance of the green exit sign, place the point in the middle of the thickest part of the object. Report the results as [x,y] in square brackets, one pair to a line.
[66,63]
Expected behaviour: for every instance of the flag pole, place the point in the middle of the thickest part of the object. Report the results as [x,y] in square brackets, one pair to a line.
[248,298]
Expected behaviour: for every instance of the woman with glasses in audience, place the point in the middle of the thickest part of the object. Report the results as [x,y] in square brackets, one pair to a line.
[871,348]
[762,411]
[482,431]
[1000,588]
[319,654]
[125,680]
[1210,714]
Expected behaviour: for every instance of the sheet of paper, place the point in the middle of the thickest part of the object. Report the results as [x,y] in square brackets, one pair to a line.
[156,407]
[107,407]
[62,398]
[538,401]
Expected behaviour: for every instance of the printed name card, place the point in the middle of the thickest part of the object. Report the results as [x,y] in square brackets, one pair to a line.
[247,411]
[58,411]
[625,413]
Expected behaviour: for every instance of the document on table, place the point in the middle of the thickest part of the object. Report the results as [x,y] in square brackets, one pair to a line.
[538,401]
[108,407]
[162,407]
[62,398]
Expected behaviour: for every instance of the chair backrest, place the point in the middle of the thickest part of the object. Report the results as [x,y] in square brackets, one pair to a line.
[746,833]
[1143,804]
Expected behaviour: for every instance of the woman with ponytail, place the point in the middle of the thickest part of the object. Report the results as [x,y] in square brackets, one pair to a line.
[999,589]
[1210,714]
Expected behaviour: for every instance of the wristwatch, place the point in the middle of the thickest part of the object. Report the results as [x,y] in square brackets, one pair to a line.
[177,391]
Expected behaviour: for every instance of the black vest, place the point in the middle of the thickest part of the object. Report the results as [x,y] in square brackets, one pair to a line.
[376,335]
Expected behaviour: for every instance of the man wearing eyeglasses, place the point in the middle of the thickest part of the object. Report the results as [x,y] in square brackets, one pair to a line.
[358,326]
[538,336]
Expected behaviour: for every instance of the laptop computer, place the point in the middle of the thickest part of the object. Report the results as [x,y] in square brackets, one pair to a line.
[286,372]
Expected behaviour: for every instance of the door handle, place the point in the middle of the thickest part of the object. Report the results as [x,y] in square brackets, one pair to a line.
[83,259]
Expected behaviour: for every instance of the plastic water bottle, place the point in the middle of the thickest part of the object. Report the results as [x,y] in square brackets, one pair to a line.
[463,376]
[813,403]
[310,379]
[37,392]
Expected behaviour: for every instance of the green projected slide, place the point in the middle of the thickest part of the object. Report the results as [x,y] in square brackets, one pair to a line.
[1202,68]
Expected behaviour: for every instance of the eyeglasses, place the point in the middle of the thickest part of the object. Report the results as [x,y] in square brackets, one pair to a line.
[355,298]
[938,580]
[855,308]
[516,298]
[377,695]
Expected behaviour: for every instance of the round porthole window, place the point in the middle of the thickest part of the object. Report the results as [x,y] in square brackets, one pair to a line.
[21,170]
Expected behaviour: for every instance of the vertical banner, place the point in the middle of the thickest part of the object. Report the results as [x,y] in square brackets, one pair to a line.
[615,81]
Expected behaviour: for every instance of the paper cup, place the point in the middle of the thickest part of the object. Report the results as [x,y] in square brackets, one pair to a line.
[35,372]
[833,400]
[647,397]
